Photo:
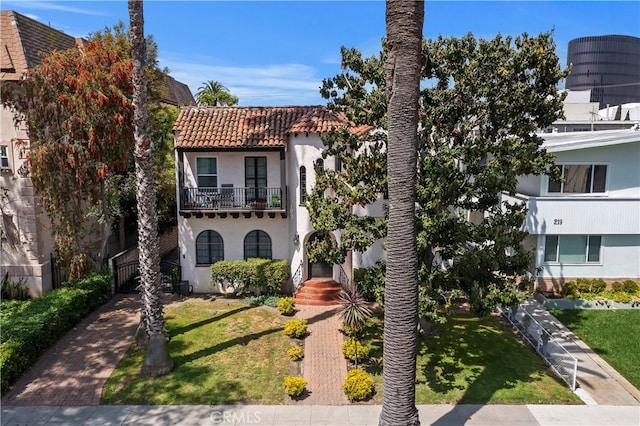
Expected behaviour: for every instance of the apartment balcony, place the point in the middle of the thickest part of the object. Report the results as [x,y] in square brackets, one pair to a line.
[233,202]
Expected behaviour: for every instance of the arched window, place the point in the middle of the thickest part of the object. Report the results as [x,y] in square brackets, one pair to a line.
[303,184]
[319,165]
[209,248]
[257,244]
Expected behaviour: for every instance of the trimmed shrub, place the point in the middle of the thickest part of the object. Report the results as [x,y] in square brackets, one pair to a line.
[296,328]
[29,328]
[296,353]
[294,385]
[583,285]
[569,289]
[630,286]
[621,297]
[598,285]
[617,286]
[287,306]
[353,349]
[358,385]
[265,275]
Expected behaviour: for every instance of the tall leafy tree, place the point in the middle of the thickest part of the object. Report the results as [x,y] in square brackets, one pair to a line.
[402,66]
[214,93]
[78,110]
[480,106]
[157,362]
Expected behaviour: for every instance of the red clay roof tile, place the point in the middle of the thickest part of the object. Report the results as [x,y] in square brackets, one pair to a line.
[251,127]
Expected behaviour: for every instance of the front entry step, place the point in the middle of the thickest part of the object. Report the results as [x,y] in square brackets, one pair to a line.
[318,292]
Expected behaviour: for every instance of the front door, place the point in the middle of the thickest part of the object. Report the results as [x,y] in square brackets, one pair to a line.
[319,269]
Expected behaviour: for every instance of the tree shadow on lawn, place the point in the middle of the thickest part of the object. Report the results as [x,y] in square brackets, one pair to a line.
[187,328]
[241,340]
[476,364]
[480,363]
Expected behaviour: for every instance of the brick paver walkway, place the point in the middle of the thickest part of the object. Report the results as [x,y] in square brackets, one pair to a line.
[74,369]
[323,366]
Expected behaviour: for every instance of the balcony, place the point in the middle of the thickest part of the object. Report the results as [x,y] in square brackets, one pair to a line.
[212,202]
[580,215]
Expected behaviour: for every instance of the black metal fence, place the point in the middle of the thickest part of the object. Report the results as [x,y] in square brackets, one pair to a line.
[126,276]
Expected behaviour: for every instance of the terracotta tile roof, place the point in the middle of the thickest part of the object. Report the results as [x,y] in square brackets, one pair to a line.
[247,127]
[176,93]
[24,40]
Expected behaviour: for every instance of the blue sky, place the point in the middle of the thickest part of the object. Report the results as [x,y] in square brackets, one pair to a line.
[278,52]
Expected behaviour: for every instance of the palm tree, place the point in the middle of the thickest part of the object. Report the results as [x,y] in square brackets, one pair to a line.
[214,93]
[157,361]
[404,21]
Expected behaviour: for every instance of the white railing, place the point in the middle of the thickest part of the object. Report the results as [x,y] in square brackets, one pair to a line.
[559,359]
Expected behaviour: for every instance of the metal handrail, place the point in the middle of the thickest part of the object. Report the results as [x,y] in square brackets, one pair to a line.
[345,282]
[549,348]
[297,277]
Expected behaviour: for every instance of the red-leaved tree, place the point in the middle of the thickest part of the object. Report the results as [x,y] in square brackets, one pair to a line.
[78,111]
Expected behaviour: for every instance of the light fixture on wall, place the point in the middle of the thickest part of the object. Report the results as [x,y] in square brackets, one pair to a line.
[296,240]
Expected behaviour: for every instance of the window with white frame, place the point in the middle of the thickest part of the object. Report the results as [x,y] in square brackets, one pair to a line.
[4,157]
[580,179]
[572,248]
[207,172]
[209,248]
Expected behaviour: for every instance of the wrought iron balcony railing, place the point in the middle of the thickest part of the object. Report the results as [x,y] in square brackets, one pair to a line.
[232,199]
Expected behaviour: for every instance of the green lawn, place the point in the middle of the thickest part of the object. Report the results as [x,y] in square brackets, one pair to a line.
[612,334]
[476,361]
[224,352]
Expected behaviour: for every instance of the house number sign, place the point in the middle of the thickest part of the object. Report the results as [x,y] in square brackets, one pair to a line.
[557,221]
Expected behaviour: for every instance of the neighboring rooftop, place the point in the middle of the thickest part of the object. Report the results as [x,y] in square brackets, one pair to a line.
[555,142]
[23,41]
[251,127]
[176,93]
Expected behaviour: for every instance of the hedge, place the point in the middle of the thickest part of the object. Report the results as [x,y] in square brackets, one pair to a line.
[264,275]
[31,327]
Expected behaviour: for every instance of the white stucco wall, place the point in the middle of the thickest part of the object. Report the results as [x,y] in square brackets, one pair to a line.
[304,150]
[233,232]
[618,259]
[623,168]
[231,167]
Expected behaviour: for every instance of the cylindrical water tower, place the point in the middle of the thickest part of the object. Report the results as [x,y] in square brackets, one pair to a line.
[609,65]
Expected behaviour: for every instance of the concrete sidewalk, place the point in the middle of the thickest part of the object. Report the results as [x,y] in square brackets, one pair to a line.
[336,415]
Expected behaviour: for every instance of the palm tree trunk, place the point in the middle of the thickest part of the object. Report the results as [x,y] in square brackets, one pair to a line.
[157,361]
[404,21]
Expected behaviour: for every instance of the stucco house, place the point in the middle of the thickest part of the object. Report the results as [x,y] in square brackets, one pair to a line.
[242,177]
[587,226]
[26,243]
[243,173]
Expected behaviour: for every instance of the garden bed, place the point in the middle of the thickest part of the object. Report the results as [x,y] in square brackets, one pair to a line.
[550,303]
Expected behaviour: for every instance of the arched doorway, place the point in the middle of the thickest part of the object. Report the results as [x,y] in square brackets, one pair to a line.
[318,269]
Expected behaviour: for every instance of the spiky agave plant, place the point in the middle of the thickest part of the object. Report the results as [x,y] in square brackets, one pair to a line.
[354,311]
